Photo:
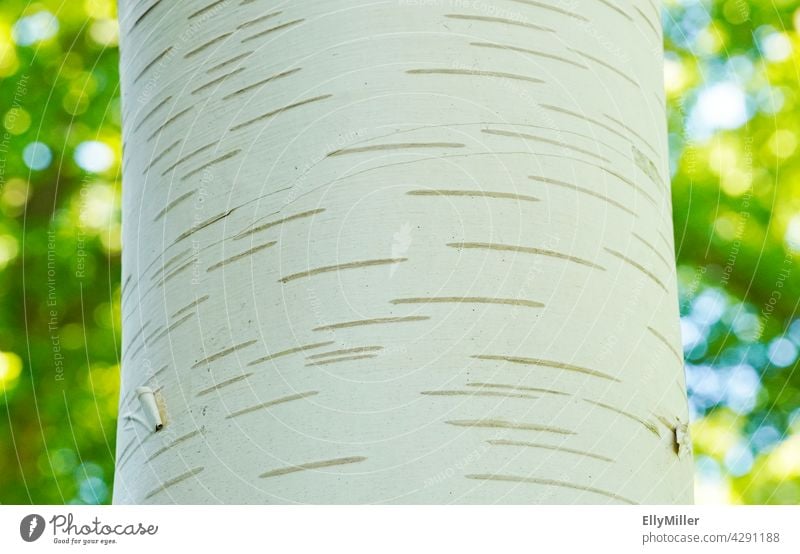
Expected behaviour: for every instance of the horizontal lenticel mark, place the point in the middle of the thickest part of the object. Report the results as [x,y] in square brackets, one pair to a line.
[469,300]
[475,73]
[375,321]
[499,20]
[341,267]
[638,266]
[398,146]
[342,359]
[206,45]
[271,403]
[245,254]
[278,111]
[312,465]
[524,250]
[174,481]
[503,424]
[526,444]
[546,363]
[528,51]
[548,482]
[272,30]
[225,352]
[290,351]
[474,194]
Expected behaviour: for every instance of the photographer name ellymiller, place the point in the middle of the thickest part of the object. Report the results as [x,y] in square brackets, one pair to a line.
[677,519]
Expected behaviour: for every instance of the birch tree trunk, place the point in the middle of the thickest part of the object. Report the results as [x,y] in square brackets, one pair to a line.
[398,252]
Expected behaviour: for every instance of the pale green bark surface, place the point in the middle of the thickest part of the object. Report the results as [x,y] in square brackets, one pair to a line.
[409,252]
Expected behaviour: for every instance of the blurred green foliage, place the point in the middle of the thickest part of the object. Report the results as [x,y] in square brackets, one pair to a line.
[731,75]
[59,250]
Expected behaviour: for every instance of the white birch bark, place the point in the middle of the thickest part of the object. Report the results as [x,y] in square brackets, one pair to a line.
[400,252]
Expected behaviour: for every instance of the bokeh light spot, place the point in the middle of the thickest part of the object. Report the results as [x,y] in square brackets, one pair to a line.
[10,368]
[782,352]
[34,28]
[15,193]
[719,106]
[37,156]
[16,121]
[8,249]
[94,156]
[782,143]
[97,206]
[776,47]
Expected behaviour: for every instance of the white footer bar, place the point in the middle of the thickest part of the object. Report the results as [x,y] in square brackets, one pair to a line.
[401,529]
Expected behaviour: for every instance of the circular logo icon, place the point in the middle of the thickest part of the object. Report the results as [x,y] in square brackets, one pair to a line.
[31,527]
